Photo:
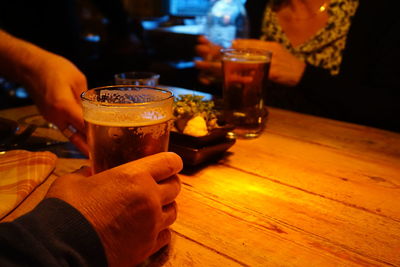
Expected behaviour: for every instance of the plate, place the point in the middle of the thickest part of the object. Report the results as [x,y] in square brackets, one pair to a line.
[195,150]
[216,136]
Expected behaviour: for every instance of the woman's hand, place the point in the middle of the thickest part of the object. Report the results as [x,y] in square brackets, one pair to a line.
[207,50]
[285,68]
[210,65]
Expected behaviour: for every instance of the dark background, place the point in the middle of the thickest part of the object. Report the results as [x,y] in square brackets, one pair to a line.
[105,37]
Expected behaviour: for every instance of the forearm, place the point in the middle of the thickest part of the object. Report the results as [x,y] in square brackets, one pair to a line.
[20,61]
[53,234]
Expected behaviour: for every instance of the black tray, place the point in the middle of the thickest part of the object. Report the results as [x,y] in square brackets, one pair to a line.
[193,156]
[216,136]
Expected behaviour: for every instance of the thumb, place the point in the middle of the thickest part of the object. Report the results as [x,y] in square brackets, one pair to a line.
[58,189]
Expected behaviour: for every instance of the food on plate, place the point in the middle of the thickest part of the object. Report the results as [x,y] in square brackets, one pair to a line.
[196,126]
[194,116]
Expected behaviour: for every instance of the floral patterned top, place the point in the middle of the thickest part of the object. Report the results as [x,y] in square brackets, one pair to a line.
[325,48]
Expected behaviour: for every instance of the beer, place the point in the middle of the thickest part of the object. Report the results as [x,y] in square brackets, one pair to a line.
[245,80]
[125,123]
[111,146]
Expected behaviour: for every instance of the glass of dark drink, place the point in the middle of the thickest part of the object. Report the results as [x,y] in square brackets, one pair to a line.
[245,75]
[125,123]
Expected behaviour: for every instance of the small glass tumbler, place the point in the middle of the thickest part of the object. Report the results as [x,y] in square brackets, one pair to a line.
[137,78]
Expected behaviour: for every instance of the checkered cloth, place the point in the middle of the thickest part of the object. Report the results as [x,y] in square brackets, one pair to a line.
[20,173]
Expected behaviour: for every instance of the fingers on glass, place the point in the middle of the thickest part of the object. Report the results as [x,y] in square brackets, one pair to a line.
[80,142]
[162,165]
[163,239]
[169,189]
[170,213]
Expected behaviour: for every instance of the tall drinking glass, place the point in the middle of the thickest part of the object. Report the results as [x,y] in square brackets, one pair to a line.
[245,74]
[125,122]
[137,78]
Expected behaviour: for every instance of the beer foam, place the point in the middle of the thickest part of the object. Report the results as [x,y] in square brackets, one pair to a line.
[122,109]
[248,59]
[156,131]
[246,56]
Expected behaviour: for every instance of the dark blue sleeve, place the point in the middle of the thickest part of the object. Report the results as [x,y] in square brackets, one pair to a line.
[53,234]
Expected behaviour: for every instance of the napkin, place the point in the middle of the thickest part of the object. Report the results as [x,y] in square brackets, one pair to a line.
[21,172]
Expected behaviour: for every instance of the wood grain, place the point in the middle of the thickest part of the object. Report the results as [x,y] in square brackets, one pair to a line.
[308,192]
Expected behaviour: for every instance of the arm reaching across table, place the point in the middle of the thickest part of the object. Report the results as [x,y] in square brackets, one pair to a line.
[54,83]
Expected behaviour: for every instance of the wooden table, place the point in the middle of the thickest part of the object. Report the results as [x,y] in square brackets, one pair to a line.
[308,192]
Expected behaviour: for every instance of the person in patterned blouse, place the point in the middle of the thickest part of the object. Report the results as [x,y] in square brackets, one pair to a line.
[331,58]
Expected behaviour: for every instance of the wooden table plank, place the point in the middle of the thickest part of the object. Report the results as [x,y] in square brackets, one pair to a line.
[308,192]
[347,137]
[366,184]
[186,252]
[232,205]
[17,113]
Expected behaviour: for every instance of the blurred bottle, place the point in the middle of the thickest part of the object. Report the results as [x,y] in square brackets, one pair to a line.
[226,20]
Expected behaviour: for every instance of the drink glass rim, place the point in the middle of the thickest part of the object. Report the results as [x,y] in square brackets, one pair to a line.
[137,75]
[231,52]
[130,86]
[146,75]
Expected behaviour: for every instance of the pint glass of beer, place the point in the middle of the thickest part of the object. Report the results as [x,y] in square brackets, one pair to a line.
[126,122]
[245,74]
